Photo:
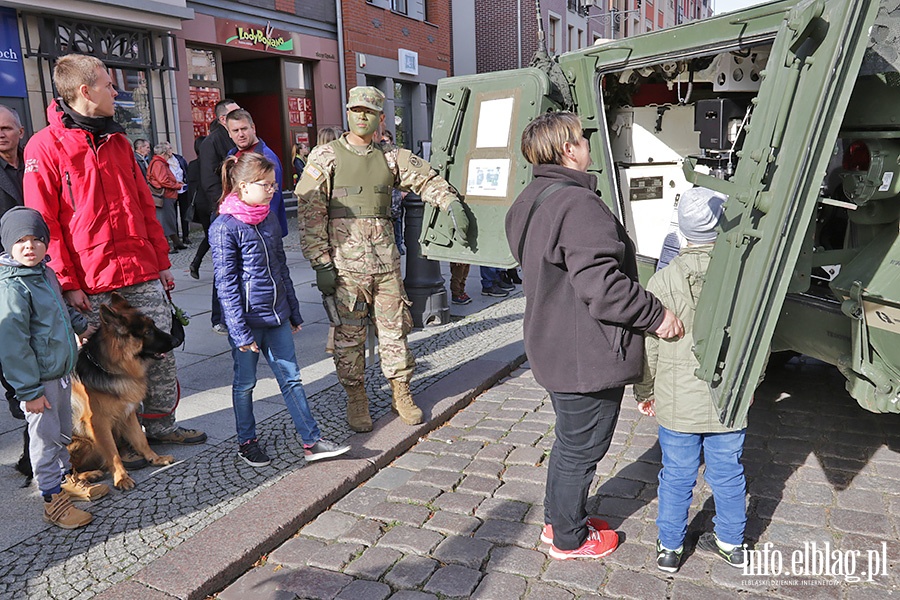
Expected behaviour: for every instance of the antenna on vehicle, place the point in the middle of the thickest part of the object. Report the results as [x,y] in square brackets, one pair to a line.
[559,85]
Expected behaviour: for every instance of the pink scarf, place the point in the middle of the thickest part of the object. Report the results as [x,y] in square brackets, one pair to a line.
[243,212]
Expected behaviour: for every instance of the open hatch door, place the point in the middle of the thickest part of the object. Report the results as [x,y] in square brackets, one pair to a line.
[478,124]
[793,129]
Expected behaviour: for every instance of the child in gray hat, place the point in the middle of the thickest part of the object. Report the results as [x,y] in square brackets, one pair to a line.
[38,354]
[687,418]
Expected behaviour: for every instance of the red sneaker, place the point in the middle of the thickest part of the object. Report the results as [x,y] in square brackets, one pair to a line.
[597,545]
[593,524]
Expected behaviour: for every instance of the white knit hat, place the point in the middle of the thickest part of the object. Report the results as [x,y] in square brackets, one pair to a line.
[699,211]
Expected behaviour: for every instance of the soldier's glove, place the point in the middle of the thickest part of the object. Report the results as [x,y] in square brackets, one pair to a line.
[326,278]
[460,220]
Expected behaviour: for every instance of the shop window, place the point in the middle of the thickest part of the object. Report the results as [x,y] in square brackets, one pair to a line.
[202,65]
[131,55]
[204,72]
[133,102]
[297,76]
[553,36]
[403,115]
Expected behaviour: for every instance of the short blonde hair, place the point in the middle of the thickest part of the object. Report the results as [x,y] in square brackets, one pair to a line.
[329,134]
[73,71]
[544,138]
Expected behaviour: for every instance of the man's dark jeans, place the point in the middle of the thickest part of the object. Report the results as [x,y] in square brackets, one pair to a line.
[584,429]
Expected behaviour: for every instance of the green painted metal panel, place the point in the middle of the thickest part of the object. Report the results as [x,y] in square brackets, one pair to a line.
[478,124]
[809,77]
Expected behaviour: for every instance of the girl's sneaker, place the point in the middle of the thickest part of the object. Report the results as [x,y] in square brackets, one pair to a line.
[252,454]
[668,560]
[323,449]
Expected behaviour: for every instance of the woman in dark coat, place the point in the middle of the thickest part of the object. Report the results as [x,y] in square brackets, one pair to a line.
[585,317]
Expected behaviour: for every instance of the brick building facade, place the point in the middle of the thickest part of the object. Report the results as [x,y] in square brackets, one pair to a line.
[402,47]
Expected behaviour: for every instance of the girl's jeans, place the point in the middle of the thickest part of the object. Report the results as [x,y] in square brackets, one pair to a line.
[277,345]
[724,474]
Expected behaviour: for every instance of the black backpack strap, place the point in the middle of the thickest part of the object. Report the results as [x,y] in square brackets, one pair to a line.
[534,206]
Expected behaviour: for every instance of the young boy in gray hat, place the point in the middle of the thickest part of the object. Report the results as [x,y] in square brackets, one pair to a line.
[681,402]
[38,353]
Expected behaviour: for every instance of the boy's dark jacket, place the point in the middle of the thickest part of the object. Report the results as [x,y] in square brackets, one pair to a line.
[585,311]
[36,327]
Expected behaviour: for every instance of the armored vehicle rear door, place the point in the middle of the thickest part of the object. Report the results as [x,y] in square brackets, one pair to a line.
[478,124]
[792,132]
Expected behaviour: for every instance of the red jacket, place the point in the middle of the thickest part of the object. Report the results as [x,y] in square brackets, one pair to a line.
[160,175]
[103,229]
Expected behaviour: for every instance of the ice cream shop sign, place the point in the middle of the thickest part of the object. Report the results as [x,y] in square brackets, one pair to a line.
[255,37]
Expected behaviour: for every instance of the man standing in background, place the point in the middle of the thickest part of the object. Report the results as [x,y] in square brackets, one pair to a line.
[12,169]
[142,155]
[242,130]
[213,151]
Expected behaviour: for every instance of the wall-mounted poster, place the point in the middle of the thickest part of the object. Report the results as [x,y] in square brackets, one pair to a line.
[203,108]
[299,111]
[488,177]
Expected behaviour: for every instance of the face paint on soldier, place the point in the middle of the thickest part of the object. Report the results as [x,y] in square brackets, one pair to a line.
[364,122]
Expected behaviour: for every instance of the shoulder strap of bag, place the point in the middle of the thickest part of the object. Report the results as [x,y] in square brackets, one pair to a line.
[534,206]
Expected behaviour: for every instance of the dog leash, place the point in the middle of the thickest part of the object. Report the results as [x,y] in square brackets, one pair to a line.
[165,414]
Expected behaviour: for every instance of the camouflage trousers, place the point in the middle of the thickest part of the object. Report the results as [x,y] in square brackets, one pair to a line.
[384,293]
[162,389]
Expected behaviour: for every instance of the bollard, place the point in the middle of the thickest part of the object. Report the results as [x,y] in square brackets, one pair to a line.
[424,284]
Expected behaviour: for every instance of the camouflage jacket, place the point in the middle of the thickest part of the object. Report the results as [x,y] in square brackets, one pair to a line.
[360,245]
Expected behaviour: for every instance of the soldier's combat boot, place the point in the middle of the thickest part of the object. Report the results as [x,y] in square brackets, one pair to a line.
[358,409]
[403,403]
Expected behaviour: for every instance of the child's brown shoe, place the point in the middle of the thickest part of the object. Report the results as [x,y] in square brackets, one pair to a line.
[81,490]
[61,512]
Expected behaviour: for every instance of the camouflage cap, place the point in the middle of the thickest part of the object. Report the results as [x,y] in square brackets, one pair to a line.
[366,96]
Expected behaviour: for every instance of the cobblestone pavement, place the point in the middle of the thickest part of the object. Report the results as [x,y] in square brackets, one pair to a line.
[459,515]
[132,529]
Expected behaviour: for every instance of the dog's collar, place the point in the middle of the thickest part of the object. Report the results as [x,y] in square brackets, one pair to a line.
[95,362]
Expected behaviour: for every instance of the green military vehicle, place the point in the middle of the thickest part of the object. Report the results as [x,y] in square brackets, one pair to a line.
[790,108]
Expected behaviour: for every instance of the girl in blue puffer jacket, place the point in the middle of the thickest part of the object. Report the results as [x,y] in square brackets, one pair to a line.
[258,302]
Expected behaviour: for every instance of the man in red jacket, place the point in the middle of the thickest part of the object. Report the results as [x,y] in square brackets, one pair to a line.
[81,175]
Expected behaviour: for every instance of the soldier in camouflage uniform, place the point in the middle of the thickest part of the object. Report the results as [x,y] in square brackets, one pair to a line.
[344,199]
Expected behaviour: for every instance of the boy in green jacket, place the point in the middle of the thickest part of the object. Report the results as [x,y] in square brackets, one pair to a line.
[687,418]
[38,353]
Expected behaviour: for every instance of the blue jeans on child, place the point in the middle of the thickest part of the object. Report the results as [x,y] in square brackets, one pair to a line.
[277,345]
[678,476]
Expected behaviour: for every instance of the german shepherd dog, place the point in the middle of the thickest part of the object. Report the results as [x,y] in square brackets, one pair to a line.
[109,384]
